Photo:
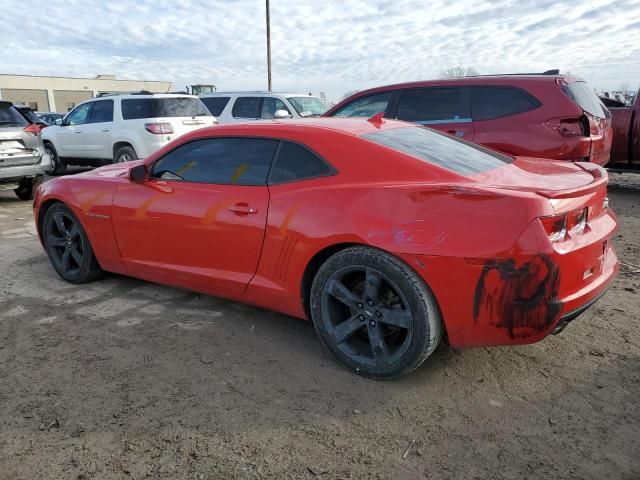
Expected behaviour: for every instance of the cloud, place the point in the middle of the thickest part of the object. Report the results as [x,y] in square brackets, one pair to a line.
[319,45]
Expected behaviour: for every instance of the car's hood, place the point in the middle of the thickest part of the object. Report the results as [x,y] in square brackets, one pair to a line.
[537,175]
[112,170]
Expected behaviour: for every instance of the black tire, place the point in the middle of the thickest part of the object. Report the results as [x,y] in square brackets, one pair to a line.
[58,165]
[27,187]
[125,154]
[68,247]
[374,313]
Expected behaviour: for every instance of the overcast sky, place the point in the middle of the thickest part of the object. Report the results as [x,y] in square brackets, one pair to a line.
[318,45]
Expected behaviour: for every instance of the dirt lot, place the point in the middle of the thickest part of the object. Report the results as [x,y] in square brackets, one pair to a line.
[124,379]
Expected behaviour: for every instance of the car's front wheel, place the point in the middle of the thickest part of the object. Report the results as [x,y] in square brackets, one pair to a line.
[125,154]
[68,246]
[58,166]
[27,187]
[374,313]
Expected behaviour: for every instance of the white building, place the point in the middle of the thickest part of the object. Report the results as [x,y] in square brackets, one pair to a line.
[61,94]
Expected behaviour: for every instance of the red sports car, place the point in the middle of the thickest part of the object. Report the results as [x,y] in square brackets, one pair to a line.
[387,235]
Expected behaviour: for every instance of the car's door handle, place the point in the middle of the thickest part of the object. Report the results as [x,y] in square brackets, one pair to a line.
[106,130]
[457,133]
[77,131]
[242,209]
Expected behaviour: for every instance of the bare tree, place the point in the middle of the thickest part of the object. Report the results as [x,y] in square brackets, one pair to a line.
[624,87]
[458,72]
[348,94]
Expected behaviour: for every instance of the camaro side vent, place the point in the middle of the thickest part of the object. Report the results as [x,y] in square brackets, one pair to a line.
[282,265]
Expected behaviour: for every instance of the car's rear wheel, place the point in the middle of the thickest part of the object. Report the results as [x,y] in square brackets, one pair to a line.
[58,166]
[125,154]
[27,187]
[68,246]
[374,313]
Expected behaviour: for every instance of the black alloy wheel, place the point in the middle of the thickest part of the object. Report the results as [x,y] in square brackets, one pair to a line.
[374,313]
[68,246]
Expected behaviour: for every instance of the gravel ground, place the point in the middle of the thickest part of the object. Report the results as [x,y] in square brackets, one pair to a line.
[122,379]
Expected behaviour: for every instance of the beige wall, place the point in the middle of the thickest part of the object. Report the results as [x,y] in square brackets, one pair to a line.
[34,98]
[65,100]
[88,87]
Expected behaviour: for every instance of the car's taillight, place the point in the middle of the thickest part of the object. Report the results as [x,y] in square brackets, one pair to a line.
[158,128]
[33,129]
[558,226]
[572,127]
[555,226]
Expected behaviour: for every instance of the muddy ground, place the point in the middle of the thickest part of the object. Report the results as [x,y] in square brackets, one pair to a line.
[122,379]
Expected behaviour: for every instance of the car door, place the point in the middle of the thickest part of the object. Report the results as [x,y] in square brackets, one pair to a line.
[70,136]
[445,108]
[200,217]
[97,132]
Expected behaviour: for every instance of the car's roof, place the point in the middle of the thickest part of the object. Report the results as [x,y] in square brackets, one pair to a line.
[352,126]
[257,93]
[476,80]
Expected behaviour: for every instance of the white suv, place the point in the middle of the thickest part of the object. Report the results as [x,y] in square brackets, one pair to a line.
[119,128]
[234,107]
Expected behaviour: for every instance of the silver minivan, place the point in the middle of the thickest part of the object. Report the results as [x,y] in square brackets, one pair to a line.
[235,107]
[23,159]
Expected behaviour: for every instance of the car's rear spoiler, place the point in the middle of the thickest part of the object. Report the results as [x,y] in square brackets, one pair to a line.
[600,177]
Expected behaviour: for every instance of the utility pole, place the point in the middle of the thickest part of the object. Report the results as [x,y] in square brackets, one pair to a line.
[268,48]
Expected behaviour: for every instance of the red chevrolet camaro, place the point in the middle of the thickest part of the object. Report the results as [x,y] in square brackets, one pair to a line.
[387,235]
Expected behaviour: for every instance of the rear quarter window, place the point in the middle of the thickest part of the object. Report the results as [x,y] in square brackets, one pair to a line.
[439,149]
[137,108]
[497,102]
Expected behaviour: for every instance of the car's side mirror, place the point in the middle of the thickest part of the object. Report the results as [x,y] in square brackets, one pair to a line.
[59,122]
[281,114]
[138,173]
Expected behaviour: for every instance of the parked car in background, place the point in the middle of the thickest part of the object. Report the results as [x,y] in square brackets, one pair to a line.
[50,117]
[23,159]
[120,128]
[234,107]
[537,115]
[307,218]
[626,135]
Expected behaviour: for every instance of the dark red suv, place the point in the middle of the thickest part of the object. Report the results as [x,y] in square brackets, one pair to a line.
[544,115]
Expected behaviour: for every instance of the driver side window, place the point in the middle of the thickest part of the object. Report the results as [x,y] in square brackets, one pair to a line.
[366,106]
[222,161]
[80,115]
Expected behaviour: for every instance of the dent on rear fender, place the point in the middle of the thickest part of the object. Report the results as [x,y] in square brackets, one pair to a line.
[521,298]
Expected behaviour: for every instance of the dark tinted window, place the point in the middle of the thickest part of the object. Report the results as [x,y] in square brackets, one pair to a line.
[366,106]
[495,102]
[246,107]
[9,116]
[439,149]
[270,105]
[295,162]
[241,161]
[135,108]
[586,98]
[434,105]
[215,105]
[102,111]
[28,114]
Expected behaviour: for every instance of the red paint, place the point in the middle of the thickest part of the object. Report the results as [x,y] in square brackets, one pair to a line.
[449,228]
[551,131]
[625,151]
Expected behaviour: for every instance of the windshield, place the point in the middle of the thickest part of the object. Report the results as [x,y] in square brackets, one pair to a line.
[308,106]
[440,149]
[9,116]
